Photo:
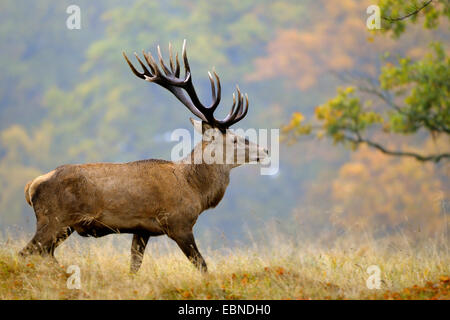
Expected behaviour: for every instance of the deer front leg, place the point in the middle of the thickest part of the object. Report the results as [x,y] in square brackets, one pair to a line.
[137,251]
[186,242]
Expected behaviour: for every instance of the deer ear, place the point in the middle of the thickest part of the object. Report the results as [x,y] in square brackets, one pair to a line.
[197,125]
[200,126]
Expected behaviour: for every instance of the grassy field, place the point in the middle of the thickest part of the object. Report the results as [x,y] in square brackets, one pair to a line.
[281,270]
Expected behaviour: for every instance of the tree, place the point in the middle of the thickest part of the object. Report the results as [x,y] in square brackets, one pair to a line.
[410,97]
[397,13]
[385,189]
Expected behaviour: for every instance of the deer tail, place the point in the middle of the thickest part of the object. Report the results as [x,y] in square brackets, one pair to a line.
[27,193]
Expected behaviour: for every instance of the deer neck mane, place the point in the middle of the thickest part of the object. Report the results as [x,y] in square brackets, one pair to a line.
[209,180]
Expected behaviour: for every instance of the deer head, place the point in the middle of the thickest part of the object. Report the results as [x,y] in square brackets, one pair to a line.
[218,138]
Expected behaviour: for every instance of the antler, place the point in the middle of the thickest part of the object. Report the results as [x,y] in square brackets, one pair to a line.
[172,81]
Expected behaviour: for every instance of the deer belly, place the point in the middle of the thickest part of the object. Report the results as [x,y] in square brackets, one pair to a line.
[93,230]
[109,224]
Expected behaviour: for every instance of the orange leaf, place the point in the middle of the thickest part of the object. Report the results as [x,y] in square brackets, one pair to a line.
[280,271]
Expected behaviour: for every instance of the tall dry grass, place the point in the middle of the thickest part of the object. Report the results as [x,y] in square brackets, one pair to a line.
[282,269]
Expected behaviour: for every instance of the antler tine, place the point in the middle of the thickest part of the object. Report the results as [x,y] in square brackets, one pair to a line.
[219,90]
[161,62]
[245,109]
[185,60]
[158,76]
[133,69]
[152,63]
[177,70]
[239,104]
[233,112]
[216,96]
[237,112]
[171,58]
[147,73]
[234,104]
[230,114]
[213,87]
[243,113]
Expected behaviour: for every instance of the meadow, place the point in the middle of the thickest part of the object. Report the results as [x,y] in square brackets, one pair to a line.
[282,269]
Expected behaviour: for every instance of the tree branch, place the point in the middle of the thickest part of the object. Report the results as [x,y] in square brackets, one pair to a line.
[434,158]
[408,15]
[383,95]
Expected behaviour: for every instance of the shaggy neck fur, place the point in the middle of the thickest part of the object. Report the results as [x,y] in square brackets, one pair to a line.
[210,180]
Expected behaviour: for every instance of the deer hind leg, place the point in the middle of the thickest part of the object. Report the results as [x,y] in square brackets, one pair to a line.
[137,251]
[45,243]
[186,242]
[59,238]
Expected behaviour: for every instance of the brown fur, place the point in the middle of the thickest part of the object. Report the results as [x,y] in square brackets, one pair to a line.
[145,198]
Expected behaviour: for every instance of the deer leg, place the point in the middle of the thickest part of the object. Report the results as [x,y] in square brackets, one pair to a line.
[60,238]
[36,243]
[45,243]
[186,242]
[48,236]
[137,251]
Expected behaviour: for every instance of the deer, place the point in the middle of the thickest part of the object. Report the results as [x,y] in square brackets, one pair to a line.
[151,197]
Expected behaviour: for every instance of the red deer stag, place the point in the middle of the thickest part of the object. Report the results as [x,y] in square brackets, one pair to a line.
[148,197]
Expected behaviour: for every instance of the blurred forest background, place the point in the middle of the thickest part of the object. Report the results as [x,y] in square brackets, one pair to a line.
[67,96]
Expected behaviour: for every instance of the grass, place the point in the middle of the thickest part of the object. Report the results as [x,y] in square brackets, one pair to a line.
[282,270]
